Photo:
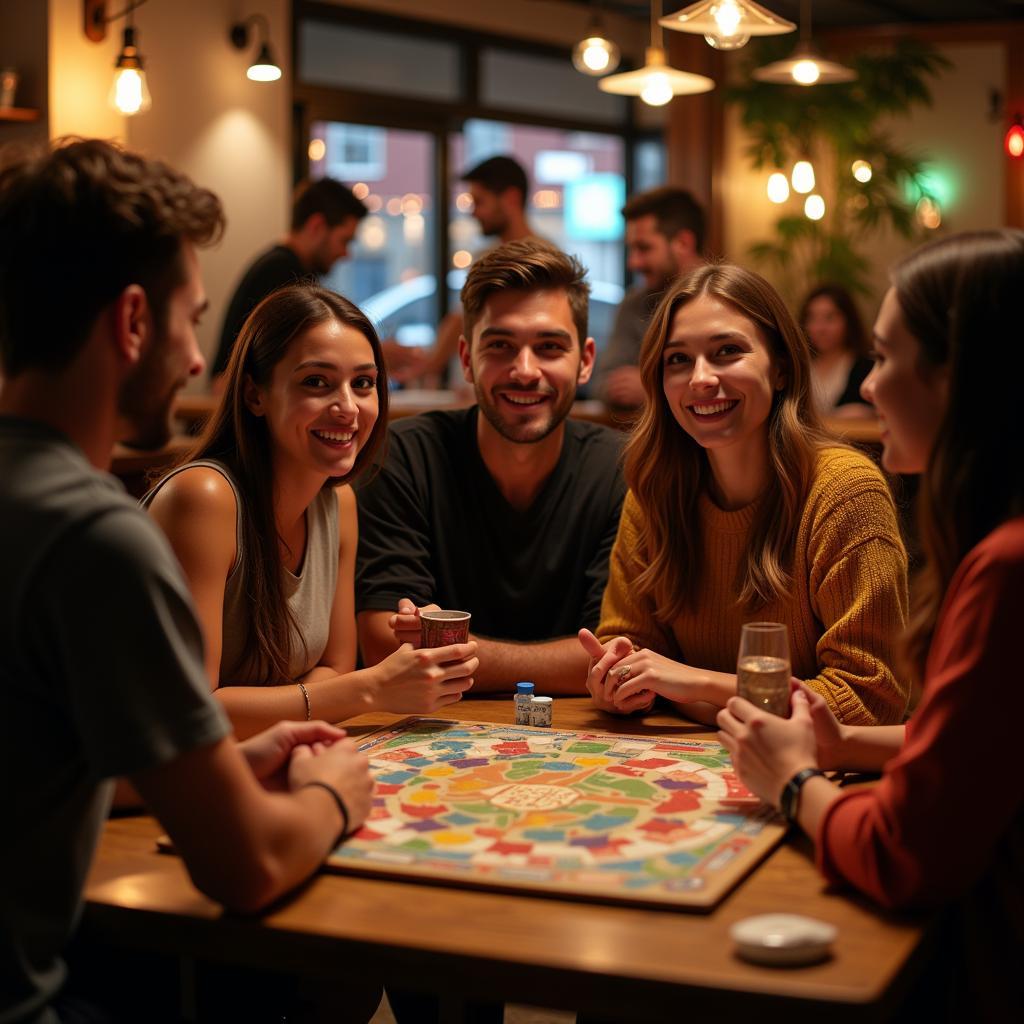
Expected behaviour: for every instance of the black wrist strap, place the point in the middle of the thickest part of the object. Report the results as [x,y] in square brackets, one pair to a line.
[789,802]
[336,797]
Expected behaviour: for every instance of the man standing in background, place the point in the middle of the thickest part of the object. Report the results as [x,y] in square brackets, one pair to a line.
[664,238]
[325,216]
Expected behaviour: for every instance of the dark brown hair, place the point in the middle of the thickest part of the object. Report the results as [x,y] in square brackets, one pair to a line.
[528,265]
[498,174]
[674,210]
[959,298]
[84,219]
[328,197]
[855,338]
[241,440]
[667,470]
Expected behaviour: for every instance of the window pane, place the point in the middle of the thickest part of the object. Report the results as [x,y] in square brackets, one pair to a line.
[577,189]
[649,160]
[384,62]
[391,275]
[544,85]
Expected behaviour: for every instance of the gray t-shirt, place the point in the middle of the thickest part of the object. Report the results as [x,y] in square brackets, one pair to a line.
[101,675]
[631,321]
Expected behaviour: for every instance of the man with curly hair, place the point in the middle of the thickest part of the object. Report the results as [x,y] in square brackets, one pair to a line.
[101,655]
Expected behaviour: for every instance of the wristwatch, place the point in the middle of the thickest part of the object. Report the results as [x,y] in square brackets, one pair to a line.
[789,803]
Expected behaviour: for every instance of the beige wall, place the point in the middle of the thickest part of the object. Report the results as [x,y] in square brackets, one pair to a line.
[207,118]
[955,133]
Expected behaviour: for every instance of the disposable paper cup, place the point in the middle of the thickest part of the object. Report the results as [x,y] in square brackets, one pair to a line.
[443,628]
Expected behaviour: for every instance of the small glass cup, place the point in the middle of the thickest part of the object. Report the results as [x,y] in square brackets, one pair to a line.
[443,628]
[762,667]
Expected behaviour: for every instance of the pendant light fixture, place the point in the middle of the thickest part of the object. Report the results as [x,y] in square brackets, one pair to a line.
[657,81]
[805,66]
[595,54]
[727,24]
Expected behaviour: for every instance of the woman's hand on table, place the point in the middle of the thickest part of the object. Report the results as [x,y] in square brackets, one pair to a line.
[406,621]
[420,681]
[644,673]
[767,751]
[269,752]
[603,679]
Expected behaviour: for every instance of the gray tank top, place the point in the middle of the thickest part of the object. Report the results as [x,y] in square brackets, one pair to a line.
[310,594]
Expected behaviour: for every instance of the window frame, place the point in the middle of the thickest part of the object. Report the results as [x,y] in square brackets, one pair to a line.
[312,103]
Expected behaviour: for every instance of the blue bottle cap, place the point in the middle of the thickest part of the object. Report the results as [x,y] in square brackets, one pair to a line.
[524,687]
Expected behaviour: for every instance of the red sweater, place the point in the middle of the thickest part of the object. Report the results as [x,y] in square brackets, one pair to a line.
[946,823]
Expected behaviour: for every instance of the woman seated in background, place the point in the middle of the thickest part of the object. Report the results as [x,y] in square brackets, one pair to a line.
[946,823]
[264,524]
[839,344]
[741,509]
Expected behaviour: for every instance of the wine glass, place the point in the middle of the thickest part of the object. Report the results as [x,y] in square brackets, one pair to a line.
[762,667]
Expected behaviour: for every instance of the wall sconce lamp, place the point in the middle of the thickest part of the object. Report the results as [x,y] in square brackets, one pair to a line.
[263,68]
[129,93]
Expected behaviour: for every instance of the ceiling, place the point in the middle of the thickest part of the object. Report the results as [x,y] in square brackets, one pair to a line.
[846,13]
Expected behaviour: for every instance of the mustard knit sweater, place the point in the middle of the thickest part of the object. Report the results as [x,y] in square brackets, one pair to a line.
[848,602]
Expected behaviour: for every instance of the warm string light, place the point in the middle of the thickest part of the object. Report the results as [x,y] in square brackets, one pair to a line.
[862,171]
[802,177]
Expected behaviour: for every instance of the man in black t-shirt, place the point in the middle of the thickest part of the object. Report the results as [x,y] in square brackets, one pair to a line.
[507,510]
[325,216]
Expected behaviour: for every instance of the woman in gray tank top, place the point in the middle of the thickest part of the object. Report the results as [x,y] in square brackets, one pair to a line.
[264,524]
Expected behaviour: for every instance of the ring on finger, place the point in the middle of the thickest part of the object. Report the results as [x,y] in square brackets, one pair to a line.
[624,673]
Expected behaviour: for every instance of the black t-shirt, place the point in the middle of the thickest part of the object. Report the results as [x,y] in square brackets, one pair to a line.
[274,269]
[434,527]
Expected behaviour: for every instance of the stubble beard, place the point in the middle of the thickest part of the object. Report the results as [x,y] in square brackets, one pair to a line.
[532,434]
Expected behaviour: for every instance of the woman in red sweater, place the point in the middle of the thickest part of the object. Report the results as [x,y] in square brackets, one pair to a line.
[945,826]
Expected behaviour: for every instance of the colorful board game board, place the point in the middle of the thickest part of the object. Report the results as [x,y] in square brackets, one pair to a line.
[582,815]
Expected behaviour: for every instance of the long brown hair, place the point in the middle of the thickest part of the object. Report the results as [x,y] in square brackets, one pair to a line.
[667,470]
[242,442]
[960,299]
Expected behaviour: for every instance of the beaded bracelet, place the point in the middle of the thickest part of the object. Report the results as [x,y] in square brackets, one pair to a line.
[305,696]
[336,796]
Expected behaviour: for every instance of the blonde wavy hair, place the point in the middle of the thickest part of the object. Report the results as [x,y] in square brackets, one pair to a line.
[667,470]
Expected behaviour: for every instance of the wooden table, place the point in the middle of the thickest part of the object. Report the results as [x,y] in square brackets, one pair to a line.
[618,961]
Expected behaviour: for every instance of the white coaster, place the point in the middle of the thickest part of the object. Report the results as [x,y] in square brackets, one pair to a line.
[785,940]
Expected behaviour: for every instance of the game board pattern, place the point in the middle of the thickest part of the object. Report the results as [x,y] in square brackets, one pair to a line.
[611,817]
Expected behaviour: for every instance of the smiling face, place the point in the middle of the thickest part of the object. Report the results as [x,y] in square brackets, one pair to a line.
[909,394]
[525,362]
[321,402]
[719,375]
[649,253]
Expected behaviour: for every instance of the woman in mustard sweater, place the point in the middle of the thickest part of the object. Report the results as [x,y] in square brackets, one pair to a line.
[741,509]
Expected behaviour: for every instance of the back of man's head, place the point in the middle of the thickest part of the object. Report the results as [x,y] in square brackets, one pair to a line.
[527,265]
[332,200]
[498,174]
[673,209]
[79,222]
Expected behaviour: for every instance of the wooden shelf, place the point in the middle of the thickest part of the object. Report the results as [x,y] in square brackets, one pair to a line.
[18,114]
